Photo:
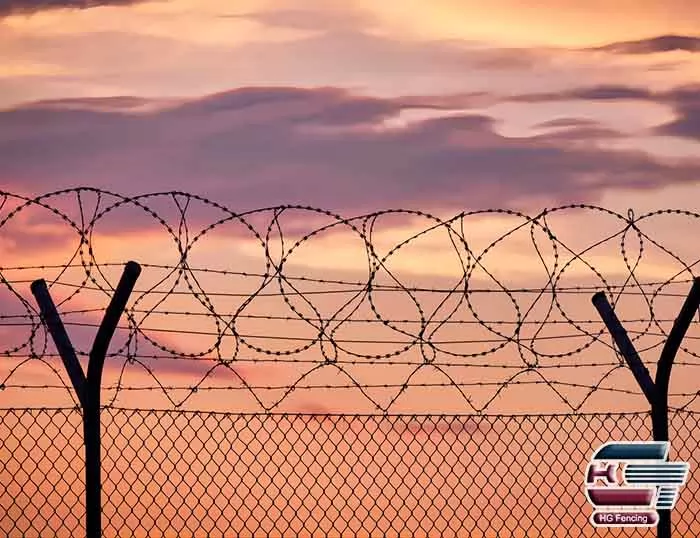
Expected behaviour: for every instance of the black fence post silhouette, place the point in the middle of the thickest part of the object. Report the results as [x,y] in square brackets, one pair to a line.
[87,387]
[656,391]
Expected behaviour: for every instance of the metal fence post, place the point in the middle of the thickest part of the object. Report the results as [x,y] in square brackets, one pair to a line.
[656,391]
[87,388]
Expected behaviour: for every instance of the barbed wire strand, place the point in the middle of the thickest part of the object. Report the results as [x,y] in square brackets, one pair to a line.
[319,343]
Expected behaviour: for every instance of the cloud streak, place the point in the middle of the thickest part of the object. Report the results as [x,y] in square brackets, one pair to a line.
[686,102]
[653,45]
[324,19]
[683,100]
[610,92]
[29,7]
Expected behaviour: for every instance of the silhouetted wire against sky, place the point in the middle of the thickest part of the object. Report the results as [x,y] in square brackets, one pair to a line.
[299,357]
[428,315]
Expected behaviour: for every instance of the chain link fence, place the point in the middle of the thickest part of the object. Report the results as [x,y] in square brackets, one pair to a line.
[349,350]
[192,474]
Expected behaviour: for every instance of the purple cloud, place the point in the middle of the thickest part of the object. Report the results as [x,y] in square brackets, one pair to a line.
[686,102]
[592,93]
[259,147]
[665,43]
[28,7]
[559,123]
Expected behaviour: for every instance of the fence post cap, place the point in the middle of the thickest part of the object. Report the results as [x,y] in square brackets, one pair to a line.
[37,285]
[598,296]
[132,269]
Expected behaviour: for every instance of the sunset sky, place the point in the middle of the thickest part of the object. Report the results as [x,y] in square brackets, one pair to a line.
[439,106]
[442,105]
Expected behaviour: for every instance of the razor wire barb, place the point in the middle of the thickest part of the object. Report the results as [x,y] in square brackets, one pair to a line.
[319,343]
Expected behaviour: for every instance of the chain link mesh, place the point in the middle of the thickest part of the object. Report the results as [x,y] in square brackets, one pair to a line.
[177,473]
[381,342]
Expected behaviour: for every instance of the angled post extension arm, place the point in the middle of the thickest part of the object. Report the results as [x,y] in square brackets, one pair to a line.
[87,388]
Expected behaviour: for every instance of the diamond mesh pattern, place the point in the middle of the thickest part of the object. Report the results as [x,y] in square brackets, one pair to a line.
[175,473]
[42,482]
